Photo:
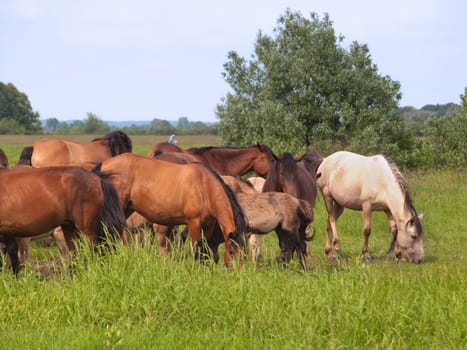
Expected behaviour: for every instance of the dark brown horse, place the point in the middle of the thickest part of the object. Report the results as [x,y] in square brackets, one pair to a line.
[3,159]
[36,200]
[233,161]
[174,194]
[296,177]
[52,151]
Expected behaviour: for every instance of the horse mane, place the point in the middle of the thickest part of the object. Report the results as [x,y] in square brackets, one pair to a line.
[118,142]
[288,163]
[404,187]
[271,183]
[201,150]
[311,160]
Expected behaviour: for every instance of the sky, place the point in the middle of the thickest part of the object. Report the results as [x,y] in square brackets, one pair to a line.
[145,59]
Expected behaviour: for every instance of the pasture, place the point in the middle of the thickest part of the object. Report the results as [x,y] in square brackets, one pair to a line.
[138,298]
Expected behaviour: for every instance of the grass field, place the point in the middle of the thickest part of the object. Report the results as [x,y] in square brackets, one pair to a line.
[139,299]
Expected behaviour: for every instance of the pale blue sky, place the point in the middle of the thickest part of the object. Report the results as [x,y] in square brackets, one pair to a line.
[143,59]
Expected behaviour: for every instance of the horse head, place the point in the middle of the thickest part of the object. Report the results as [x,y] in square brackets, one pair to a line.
[408,240]
[264,161]
[118,142]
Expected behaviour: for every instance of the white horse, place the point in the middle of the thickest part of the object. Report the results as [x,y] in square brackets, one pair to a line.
[349,180]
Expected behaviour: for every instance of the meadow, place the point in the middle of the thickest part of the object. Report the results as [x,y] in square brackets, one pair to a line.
[138,298]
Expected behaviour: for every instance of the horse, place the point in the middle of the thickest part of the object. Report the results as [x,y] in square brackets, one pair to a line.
[367,184]
[274,211]
[36,200]
[3,159]
[173,194]
[62,152]
[295,177]
[53,151]
[233,161]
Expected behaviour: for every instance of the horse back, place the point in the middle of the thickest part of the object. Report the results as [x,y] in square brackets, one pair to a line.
[35,200]
[352,179]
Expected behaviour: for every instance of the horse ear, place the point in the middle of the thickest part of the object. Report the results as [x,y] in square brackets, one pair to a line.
[420,216]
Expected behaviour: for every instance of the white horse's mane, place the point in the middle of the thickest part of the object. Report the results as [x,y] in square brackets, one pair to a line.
[401,182]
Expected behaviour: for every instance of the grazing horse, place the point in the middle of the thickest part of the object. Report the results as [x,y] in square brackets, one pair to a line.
[52,152]
[349,180]
[36,200]
[273,211]
[295,177]
[233,161]
[3,159]
[173,194]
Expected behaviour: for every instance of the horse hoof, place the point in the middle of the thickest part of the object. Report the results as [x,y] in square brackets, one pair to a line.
[368,259]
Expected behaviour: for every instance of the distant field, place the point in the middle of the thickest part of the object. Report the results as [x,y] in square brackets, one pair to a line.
[12,145]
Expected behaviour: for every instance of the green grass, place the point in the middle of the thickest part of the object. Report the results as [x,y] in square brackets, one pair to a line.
[139,299]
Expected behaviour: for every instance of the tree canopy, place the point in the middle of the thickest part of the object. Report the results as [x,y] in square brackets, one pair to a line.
[301,88]
[16,114]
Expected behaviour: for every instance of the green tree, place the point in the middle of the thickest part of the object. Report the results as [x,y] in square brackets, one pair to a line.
[161,127]
[302,89]
[16,114]
[447,137]
[94,125]
[183,123]
[51,124]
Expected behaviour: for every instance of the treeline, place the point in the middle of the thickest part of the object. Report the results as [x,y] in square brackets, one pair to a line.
[92,124]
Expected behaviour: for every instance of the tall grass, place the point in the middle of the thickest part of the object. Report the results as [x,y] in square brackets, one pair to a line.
[138,298]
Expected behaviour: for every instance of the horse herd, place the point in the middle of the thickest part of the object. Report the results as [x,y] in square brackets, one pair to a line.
[101,189]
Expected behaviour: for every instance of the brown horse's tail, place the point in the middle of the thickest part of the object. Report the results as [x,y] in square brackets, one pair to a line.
[26,155]
[111,217]
[238,236]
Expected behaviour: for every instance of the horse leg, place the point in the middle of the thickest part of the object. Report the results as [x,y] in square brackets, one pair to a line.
[59,237]
[12,255]
[334,210]
[67,244]
[160,231]
[366,210]
[255,242]
[23,248]
[393,230]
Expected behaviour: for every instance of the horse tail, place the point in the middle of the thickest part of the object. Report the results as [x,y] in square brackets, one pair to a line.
[238,236]
[111,216]
[26,155]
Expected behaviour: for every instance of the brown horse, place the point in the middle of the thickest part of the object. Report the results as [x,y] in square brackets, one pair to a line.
[52,152]
[60,152]
[174,194]
[36,200]
[296,177]
[3,159]
[233,161]
[350,180]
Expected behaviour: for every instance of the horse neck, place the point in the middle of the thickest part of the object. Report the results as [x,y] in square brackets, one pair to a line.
[99,148]
[234,162]
[400,210]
